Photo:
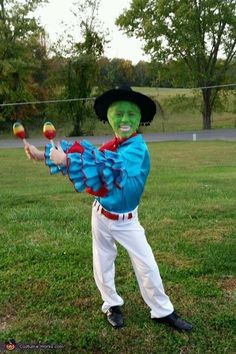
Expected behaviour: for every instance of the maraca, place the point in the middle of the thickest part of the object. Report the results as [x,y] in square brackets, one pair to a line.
[49,132]
[19,131]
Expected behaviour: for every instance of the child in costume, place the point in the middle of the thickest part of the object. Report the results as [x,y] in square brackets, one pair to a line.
[116,174]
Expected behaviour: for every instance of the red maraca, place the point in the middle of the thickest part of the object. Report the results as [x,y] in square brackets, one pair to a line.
[49,132]
[19,131]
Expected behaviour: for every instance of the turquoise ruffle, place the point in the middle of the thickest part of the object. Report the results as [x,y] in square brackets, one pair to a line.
[65,145]
[95,169]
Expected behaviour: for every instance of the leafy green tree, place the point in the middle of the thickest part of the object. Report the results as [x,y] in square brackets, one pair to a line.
[116,72]
[121,72]
[104,77]
[80,82]
[82,69]
[196,31]
[171,74]
[141,74]
[21,39]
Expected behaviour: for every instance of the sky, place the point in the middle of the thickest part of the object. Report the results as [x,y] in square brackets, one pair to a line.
[52,14]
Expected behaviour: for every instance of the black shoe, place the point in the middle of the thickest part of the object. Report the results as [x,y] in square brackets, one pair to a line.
[176,322]
[114,317]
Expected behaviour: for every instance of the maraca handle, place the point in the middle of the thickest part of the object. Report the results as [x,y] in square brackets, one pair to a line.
[55,147]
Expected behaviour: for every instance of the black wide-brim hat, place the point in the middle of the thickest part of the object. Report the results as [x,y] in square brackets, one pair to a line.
[147,105]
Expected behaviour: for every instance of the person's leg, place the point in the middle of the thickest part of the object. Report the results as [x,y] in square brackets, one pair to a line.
[104,254]
[130,234]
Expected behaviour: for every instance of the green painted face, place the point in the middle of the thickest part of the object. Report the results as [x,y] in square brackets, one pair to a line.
[124,118]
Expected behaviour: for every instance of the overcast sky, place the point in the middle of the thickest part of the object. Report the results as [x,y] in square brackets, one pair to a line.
[120,46]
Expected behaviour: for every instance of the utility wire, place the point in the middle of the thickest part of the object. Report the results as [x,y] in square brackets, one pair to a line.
[42,102]
[206,87]
[93,98]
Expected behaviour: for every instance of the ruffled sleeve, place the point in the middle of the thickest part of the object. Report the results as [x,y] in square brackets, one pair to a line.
[55,168]
[96,171]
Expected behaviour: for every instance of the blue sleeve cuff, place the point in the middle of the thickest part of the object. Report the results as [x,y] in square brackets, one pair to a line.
[54,169]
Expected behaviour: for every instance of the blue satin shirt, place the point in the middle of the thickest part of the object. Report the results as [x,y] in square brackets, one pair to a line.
[123,172]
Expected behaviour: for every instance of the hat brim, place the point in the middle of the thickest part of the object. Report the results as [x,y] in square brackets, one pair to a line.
[147,105]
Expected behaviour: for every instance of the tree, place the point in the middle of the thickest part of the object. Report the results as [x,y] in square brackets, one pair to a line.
[141,74]
[196,31]
[80,82]
[104,77]
[20,42]
[121,72]
[170,74]
[82,69]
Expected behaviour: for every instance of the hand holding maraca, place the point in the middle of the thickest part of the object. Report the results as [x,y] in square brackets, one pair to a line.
[58,156]
[31,151]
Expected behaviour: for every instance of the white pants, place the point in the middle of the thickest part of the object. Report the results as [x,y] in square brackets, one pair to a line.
[130,234]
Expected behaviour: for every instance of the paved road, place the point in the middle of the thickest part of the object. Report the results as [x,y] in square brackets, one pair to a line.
[221,134]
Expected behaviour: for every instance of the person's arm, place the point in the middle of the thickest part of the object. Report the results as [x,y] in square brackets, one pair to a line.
[54,158]
[33,153]
[96,171]
[101,171]
[57,155]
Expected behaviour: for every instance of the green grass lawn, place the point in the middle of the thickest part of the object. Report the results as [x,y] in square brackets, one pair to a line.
[185,116]
[188,209]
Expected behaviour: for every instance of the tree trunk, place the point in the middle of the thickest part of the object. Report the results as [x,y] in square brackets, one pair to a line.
[77,127]
[207,109]
[77,121]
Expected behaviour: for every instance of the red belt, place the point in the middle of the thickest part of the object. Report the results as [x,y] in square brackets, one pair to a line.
[111,216]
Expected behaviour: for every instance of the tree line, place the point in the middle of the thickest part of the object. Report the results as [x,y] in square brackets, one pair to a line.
[184,38]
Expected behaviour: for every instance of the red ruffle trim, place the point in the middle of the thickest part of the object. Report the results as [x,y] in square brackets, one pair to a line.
[76,147]
[102,192]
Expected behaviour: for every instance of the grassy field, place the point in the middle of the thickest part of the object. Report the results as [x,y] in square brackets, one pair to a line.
[182,111]
[188,209]
[181,108]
